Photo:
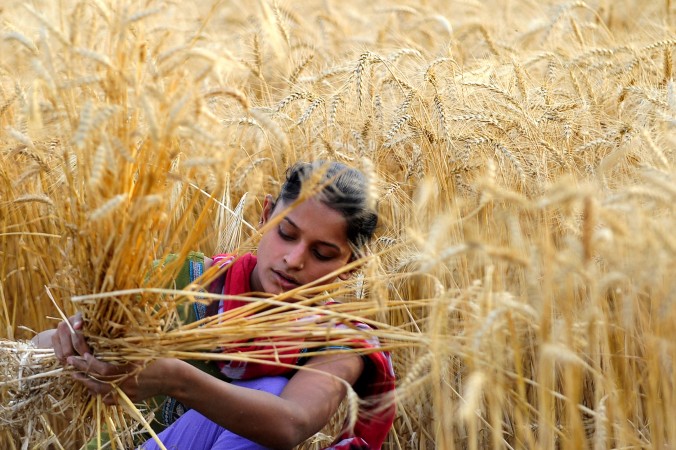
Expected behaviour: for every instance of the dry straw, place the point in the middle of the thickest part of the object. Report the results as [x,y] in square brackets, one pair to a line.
[523,271]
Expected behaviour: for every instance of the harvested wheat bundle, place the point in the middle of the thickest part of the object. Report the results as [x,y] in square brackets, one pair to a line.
[42,407]
[293,329]
[32,389]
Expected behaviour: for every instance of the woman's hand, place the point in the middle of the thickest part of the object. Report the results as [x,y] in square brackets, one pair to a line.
[68,340]
[137,382]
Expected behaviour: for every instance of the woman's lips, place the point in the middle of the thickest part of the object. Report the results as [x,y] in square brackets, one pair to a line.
[285,281]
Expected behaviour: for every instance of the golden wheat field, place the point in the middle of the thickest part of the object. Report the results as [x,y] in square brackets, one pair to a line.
[522,156]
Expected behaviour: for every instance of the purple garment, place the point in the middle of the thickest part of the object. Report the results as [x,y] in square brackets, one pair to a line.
[195,432]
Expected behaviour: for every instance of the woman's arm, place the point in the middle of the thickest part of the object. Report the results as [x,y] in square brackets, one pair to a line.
[305,405]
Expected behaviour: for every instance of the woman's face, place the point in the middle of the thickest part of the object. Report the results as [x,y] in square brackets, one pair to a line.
[308,242]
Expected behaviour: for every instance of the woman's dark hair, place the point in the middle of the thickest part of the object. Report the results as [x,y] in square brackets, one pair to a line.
[338,186]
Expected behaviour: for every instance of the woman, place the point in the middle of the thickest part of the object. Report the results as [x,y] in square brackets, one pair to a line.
[264,408]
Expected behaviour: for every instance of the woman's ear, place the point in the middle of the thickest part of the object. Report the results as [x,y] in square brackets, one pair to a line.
[346,275]
[268,207]
[357,253]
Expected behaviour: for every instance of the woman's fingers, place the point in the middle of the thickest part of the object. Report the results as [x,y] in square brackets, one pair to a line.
[71,348]
[68,339]
[62,342]
[97,376]
[102,371]
[96,387]
[77,338]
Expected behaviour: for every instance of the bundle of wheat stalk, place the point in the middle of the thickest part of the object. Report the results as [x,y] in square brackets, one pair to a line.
[521,154]
[33,394]
[37,387]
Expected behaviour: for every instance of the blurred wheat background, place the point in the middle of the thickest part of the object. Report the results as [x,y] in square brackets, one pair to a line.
[521,151]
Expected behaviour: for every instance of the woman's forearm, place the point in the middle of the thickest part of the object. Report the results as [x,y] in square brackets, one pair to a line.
[256,415]
[305,405]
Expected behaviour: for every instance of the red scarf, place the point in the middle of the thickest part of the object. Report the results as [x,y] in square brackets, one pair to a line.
[237,282]
[375,386]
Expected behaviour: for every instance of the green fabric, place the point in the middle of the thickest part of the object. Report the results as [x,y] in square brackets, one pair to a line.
[183,277]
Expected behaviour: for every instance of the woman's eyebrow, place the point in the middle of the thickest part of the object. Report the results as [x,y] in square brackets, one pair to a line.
[330,244]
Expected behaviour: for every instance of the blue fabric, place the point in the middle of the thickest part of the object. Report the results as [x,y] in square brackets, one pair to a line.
[196,271]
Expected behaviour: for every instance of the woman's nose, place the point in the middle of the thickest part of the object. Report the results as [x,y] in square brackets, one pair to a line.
[295,257]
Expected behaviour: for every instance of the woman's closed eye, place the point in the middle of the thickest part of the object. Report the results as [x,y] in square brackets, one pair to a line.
[321,256]
[284,235]
[318,253]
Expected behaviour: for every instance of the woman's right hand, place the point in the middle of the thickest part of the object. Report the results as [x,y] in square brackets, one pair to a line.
[69,340]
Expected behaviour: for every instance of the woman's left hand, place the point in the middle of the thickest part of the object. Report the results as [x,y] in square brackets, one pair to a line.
[99,377]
